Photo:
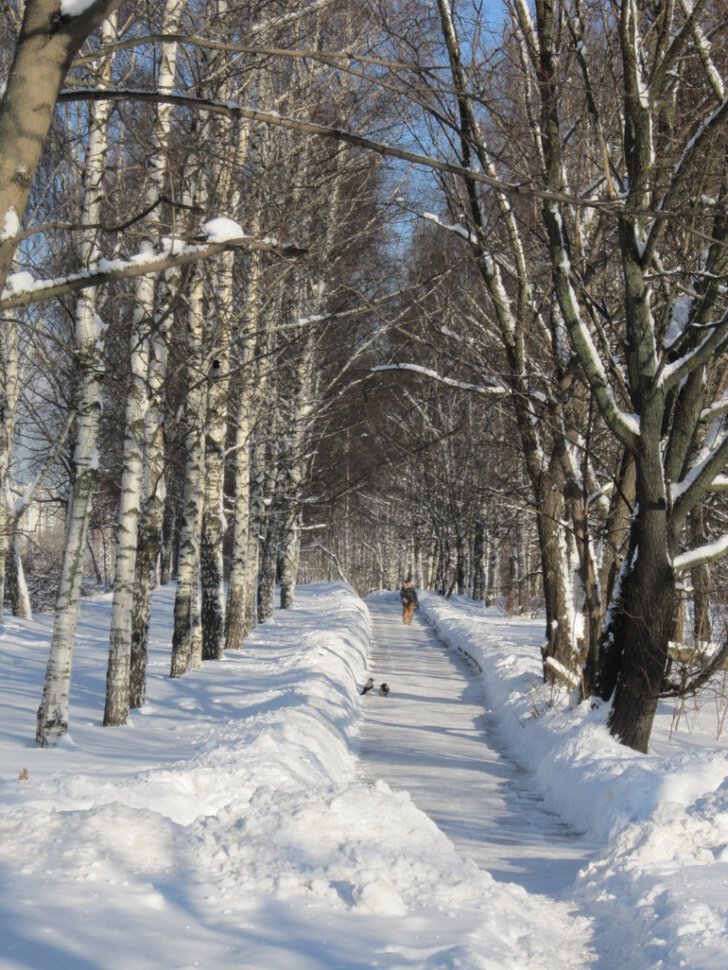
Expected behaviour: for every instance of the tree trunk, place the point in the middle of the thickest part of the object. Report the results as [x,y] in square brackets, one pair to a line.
[289,563]
[17,586]
[118,670]
[643,629]
[479,542]
[45,48]
[213,521]
[52,717]
[702,621]
[185,602]
[8,404]
[149,533]
[143,471]
[236,617]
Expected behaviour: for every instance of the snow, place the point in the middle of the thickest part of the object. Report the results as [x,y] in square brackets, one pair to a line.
[706,553]
[72,8]
[19,283]
[458,228]
[231,822]
[222,229]
[11,225]
[679,319]
[485,388]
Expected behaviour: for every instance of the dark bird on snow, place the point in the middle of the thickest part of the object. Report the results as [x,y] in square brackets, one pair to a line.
[384,690]
[368,686]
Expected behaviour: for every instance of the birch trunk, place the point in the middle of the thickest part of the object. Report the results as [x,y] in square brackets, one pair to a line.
[143,439]
[269,531]
[240,607]
[17,585]
[149,538]
[118,669]
[8,404]
[185,603]
[213,519]
[479,544]
[236,627]
[53,714]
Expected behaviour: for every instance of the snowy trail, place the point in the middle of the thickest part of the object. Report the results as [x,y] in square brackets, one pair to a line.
[433,738]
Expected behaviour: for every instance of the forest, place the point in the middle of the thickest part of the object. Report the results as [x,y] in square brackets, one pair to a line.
[362,289]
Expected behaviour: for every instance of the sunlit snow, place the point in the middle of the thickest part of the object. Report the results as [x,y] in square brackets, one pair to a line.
[240,819]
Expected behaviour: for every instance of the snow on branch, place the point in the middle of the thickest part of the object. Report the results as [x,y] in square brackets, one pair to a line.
[675,371]
[458,228]
[715,410]
[703,554]
[220,235]
[700,479]
[493,388]
[557,668]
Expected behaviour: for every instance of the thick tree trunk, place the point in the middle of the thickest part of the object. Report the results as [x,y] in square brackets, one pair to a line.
[643,632]
[46,46]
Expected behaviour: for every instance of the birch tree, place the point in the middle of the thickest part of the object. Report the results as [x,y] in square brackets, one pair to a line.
[660,391]
[52,717]
[142,439]
[186,601]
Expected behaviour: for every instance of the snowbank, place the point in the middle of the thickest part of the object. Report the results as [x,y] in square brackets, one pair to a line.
[662,817]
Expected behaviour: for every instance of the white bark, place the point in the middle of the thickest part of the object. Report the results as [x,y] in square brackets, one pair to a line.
[239,587]
[52,718]
[186,596]
[142,429]
[8,404]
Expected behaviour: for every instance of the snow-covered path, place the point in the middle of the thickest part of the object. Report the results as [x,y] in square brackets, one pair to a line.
[433,738]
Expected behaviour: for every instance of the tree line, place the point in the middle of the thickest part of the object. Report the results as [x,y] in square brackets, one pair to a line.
[358,290]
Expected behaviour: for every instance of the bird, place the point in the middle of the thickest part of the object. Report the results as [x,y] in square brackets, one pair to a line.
[384,690]
[368,686]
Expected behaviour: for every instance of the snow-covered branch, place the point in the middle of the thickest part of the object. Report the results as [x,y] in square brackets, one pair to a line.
[487,389]
[672,374]
[22,290]
[699,480]
[703,554]
[457,228]
[715,410]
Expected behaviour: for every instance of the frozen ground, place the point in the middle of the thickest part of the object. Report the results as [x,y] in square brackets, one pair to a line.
[232,823]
